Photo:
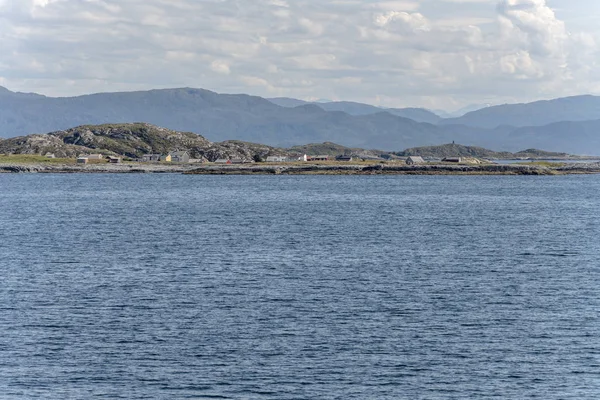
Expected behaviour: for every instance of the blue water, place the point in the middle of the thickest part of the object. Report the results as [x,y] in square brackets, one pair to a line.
[275,287]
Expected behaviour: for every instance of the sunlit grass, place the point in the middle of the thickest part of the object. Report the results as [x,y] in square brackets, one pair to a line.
[33,159]
[547,164]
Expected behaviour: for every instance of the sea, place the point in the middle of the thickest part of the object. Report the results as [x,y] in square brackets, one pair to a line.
[166,286]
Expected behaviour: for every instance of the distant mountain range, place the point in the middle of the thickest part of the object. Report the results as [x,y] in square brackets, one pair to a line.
[352,108]
[568,125]
[133,140]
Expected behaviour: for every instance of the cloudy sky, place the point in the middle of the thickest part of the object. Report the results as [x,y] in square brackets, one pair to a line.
[441,54]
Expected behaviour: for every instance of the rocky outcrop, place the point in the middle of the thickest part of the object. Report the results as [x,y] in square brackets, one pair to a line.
[457,150]
[133,141]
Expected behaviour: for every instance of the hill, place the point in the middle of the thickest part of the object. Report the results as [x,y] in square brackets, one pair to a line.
[333,149]
[453,150]
[131,140]
[457,150]
[539,113]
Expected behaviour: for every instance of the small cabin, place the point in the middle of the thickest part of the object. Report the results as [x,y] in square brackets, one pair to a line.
[412,160]
[452,159]
[179,157]
[222,161]
[319,158]
[82,160]
[95,157]
[114,160]
[344,158]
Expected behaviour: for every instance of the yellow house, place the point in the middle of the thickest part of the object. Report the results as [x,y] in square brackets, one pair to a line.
[166,158]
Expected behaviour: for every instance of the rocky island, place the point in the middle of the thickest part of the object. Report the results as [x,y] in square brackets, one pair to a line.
[132,143]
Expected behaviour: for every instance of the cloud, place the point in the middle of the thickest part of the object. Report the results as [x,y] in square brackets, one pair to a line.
[400,53]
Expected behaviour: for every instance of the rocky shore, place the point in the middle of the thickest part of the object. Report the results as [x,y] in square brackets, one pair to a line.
[95,168]
[398,169]
[309,169]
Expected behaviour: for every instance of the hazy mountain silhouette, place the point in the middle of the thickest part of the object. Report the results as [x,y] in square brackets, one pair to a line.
[539,113]
[353,108]
[222,117]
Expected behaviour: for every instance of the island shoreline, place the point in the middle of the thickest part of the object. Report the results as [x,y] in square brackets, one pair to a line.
[309,169]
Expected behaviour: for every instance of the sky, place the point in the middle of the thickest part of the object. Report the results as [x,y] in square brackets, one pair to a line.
[439,54]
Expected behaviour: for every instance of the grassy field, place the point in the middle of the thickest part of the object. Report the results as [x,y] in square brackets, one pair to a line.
[547,164]
[33,159]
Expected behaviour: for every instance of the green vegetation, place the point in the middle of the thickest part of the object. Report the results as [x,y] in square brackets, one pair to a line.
[547,164]
[33,159]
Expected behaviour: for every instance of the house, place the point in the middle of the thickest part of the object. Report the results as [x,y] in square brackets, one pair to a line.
[222,161]
[114,160]
[319,158]
[179,156]
[277,159]
[166,158]
[344,158]
[151,158]
[415,160]
[452,159]
[82,160]
[95,157]
[303,157]
[49,155]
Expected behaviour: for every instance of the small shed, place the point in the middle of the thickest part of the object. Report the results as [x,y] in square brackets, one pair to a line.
[319,158]
[415,160]
[82,160]
[114,160]
[95,157]
[222,161]
[49,155]
[344,158]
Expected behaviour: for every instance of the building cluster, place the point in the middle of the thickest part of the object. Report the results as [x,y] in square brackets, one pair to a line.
[174,156]
[86,158]
[184,157]
[306,158]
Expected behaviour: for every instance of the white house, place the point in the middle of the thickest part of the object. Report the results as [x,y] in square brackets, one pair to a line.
[277,159]
[415,160]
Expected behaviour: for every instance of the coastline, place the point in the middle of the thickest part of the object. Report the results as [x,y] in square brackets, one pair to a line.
[309,169]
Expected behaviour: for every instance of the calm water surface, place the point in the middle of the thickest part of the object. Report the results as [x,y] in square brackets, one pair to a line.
[272,287]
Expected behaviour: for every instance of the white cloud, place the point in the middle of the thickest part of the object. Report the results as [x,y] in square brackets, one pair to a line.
[406,52]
